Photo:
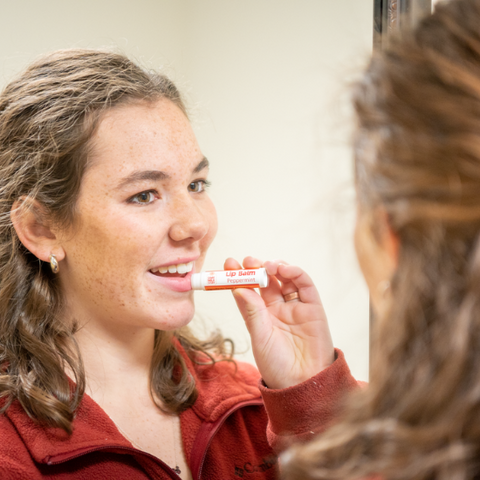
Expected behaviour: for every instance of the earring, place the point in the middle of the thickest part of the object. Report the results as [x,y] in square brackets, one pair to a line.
[53,263]
[383,287]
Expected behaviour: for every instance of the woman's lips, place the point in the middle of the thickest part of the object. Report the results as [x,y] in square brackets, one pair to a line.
[175,281]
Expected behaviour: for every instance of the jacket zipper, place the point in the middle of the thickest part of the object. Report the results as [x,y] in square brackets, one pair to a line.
[208,431]
[113,448]
[204,437]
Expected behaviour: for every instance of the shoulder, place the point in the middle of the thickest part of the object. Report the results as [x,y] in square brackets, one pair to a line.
[223,385]
[230,371]
[241,371]
[228,374]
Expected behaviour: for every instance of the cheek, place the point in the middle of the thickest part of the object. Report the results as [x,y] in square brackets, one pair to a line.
[362,247]
[94,263]
[210,216]
[212,221]
[107,250]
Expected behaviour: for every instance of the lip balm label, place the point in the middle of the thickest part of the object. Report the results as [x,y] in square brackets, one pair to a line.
[229,279]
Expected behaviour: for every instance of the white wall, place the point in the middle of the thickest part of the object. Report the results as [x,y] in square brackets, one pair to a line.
[267,84]
[148,30]
[271,80]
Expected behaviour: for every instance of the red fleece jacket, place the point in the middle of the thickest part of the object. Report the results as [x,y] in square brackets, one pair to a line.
[234,430]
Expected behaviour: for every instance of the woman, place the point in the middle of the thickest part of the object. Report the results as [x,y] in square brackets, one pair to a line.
[418,244]
[104,217]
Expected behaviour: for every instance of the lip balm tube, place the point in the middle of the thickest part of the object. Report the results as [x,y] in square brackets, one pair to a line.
[230,279]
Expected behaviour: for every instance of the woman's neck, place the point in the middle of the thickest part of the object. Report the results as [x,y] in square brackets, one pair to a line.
[116,365]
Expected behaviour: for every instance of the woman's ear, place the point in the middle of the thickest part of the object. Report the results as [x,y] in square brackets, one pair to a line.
[377,246]
[388,240]
[34,229]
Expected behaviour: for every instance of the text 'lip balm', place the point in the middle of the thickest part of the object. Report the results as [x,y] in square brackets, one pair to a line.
[229,279]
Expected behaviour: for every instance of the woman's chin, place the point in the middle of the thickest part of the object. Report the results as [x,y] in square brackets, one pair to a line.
[175,318]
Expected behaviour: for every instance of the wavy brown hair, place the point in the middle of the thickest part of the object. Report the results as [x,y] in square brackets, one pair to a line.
[418,157]
[47,118]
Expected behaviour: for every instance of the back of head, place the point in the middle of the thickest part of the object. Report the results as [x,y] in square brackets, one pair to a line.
[47,118]
[418,157]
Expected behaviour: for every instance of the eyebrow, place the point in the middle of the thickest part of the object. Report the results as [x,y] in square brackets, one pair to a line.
[155,175]
[204,163]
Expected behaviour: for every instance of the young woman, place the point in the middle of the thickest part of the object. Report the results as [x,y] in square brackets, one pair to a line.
[418,243]
[104,216]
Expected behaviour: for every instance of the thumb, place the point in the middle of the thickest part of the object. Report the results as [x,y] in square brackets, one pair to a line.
[250,304]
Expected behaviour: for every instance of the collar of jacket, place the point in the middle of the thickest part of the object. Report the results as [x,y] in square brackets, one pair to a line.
[221,387]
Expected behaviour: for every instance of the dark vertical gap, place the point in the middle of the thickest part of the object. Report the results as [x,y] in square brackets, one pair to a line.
[377,24]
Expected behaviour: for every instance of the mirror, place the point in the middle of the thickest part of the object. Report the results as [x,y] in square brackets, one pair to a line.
[267,84]
[393,15]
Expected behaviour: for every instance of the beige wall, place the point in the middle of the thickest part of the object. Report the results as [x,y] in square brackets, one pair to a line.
[267,84]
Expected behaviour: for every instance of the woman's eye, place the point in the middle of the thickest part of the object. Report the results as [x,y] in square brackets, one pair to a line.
[198,186]
[143,198]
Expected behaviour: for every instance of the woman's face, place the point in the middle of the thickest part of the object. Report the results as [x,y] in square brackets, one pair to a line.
[377,253]
[366,249]
[142,210]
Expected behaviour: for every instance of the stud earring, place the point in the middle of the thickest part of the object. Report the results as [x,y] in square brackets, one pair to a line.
[53,263]
[383,287]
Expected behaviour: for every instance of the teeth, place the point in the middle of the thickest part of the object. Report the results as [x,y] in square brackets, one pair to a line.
[180,268]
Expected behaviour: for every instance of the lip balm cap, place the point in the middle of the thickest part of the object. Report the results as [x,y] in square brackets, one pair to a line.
[196,280]
[262,278]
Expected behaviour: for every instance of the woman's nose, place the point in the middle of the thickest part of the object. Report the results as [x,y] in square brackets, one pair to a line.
[189,221]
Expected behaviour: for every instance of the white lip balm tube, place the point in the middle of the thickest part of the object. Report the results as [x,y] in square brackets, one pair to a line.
[230,279]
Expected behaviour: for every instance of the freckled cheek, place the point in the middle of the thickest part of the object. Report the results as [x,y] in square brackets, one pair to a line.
[207,240]
[212,222]
[103,255]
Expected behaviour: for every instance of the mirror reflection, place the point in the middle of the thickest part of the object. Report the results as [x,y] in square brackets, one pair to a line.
[267,87]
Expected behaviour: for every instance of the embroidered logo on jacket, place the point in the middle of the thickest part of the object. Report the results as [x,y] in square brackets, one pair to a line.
[247,468]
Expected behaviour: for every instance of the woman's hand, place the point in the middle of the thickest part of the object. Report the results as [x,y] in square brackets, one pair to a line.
[291,341]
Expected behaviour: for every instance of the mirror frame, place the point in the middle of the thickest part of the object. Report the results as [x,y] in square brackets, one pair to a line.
[392,15]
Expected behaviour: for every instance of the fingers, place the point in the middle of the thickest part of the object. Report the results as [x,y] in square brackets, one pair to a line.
[249,302]
[284,280]
[272,268]
[273,293]
[231,264]
[296,280]
[251,306]
[293,279]
[252,262]
[248,262]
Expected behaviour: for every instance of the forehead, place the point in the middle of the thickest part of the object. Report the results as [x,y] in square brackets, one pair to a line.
[143,135]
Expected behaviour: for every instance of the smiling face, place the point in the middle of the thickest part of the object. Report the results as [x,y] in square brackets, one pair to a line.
[143,221]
